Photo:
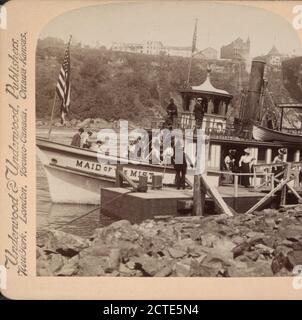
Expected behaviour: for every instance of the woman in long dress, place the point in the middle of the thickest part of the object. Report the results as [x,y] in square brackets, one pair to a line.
[245,164]
[229,163]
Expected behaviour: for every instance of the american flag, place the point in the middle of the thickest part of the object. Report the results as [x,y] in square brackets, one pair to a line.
[63,85]
[194,37]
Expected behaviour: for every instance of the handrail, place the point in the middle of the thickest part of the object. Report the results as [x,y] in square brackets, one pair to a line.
[239,173]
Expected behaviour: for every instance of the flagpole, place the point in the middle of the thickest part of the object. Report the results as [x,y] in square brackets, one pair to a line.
[52,114]
[55,101]
[189,71]
[192,51]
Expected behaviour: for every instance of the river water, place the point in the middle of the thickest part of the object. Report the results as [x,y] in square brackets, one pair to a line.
[53,215]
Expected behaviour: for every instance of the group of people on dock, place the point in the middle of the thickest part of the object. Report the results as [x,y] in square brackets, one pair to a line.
[245,165]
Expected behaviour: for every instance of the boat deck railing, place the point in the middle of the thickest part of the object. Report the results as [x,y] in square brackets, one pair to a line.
[216,127]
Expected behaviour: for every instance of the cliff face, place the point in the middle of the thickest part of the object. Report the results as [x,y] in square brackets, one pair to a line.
[117,85]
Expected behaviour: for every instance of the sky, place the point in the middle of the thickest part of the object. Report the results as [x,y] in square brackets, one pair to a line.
[172,23]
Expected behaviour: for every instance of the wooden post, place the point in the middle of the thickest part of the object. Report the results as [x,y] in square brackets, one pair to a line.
[236,186]
[281,120]
[284,189]
[198,197]
[199,188]
[52,114]
[118,178]
[272,181]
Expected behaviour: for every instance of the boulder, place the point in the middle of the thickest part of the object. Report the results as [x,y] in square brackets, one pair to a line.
[240,249]
[65,243]
[149,265]
[182,269]
[278,262]
[263,249]
[253,255]
[164,272]
[175,253]
[114,258]
[55,263]
[294,258]
[70,267]
[94,266]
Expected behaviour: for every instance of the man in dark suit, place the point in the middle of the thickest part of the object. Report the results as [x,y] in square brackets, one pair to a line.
[76,139]
[199,111]
[172,111]
[180,161]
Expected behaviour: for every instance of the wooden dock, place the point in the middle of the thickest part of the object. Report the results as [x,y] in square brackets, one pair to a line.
[123,203]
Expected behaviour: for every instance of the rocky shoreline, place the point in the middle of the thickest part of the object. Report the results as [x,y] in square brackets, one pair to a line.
[266,243]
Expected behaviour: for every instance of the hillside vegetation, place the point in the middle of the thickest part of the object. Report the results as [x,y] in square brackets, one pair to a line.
[117,85]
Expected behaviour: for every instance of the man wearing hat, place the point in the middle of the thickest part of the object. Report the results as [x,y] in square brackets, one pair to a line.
[86,143]
[76,139]
[280,158]
[245,164]
[98,146]
[172,111]
[199,113]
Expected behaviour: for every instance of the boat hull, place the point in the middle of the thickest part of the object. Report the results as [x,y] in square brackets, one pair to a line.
[76,175]
[264,134]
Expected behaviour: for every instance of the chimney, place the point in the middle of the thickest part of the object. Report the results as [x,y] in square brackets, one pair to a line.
[251,110]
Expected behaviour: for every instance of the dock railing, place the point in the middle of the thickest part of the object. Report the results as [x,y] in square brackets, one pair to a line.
[294,167]
[262,177]
[267,184]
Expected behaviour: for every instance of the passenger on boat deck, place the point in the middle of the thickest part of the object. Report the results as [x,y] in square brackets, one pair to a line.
[279,159]
[135,148]
[229,164]
[97,147]
[76,139]
[245,164]
[86,143]
[171,112]
[199,111]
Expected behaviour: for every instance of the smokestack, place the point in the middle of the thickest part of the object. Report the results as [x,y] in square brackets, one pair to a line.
[251,110]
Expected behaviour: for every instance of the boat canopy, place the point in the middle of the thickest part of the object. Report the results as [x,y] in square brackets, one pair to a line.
[217,100]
